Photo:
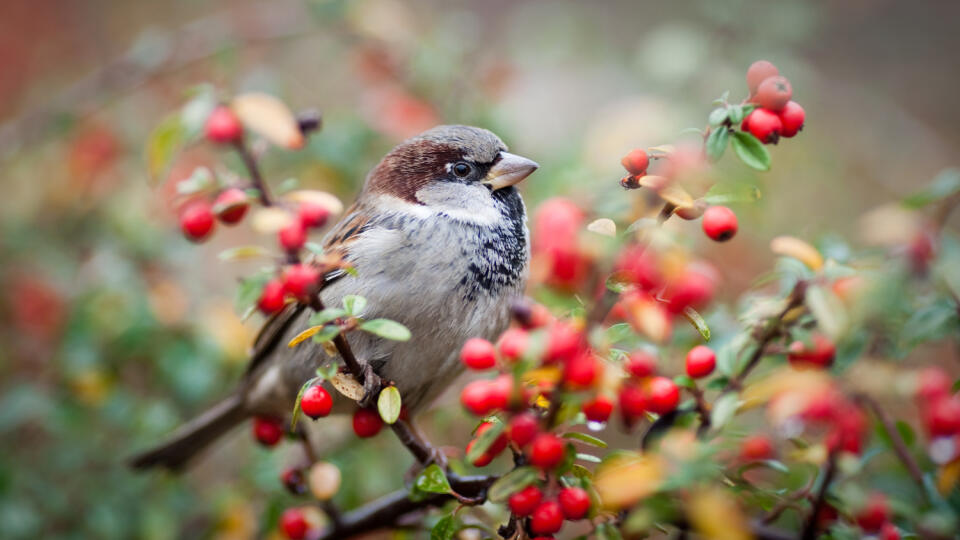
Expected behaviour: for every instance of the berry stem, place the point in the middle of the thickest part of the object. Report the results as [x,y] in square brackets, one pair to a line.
[255,177]
[899,446]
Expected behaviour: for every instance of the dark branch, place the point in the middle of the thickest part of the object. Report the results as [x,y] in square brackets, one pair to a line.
[829,470]
[256,178]
[899,446]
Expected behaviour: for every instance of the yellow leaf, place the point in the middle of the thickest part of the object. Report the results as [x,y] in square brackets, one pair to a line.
[716,515]
[320,198]
[791,246]
[676,195]
[948,476]
[305,335]
[603,227]
[802,382]
[269,117]
[546,374]
[650,319]
[270,220]
[625,479]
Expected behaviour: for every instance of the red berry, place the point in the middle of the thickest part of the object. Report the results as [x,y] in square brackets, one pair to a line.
[641,364]
[756,448]
[764,125]
[943,416]
[581,371]
[932,384]
[720,223]
[819,354]
[513,343]
[231,205]
[300,281]
[268,430]
[223,126]
[316,402]
[196,221]
[271,299]
[663,395]
[874,514]
[598,409]
[483,460]
[523,428]
[500,392]
[773,93]
[564,341]
[366,423]
[547,518]
[478,354]
[792,117]
[525,501]
[633,401]
[638,265]
[498,445]
[547,451]
[476,397]
[758,72]
[292,237]
[574,503]
[636,162]
[294,524]
[313,215]
[889,532]
[694,288]
[700,361]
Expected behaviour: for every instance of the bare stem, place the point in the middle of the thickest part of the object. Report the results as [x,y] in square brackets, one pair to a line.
[829,470]
[256,178]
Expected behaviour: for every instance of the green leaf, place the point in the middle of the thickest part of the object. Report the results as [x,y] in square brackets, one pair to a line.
[314,247]
[249,291]
[163,144]
[432,480]
[717,143]
[698,322]
[684,381]
[201,179]
[583,437]
[446,528]
[723,410]
[732,192]
[486,440]
[354,304]
[828,309]
[194,114]
[326,315]
[512,482]
[617,283]
[619,332]
[738,112]
[717,116]
[328,333]
[606,531]
[386,329]
[944,185]
[388,403]
[751,151]
[296,404]
[588,457]
[327,371]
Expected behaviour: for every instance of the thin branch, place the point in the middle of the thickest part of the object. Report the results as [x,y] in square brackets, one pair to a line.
[256,178]
[899,446]
[390,510]
[829,470]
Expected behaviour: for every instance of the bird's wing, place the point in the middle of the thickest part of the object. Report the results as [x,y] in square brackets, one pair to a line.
[337,241]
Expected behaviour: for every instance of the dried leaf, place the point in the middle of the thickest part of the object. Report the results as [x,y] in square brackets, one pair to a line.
[270,220]
[603,227]
[676,195]
[790,246]
[716,515]
[624,480]
[321,198]
[269,117]
[348,386]
[305,335]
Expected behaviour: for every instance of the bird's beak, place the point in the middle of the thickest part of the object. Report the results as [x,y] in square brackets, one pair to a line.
[509,170]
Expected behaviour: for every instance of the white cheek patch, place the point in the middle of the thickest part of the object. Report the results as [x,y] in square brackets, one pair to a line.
[470,203]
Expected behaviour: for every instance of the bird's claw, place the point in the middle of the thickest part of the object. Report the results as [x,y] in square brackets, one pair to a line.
[372,384]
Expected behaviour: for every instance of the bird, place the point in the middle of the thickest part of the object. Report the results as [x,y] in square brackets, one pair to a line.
[438,241]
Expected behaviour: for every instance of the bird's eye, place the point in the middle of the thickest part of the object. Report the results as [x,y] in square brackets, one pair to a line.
[462,169]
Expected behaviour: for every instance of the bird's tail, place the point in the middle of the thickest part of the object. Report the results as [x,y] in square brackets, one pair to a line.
[193,436]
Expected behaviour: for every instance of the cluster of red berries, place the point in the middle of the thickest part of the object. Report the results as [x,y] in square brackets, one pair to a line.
[874,517]
[546,515]
[198,217]
[776,115]
[818,354]
[556,243]
[940,408]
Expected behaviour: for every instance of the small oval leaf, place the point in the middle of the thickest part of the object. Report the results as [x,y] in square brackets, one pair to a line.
[603,227]
[347,385]
[512,482]
[751,151]
[698,322]
[583,437]
[389,404]
[791,246]
[270,220]
[386,329]
[303,336]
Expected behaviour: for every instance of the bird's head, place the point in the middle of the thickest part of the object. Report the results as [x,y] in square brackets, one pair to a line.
[453,169]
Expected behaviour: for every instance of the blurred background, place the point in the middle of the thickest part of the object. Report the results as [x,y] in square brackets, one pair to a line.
[113,328]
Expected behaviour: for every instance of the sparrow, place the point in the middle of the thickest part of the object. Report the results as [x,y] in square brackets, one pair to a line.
[438,241]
